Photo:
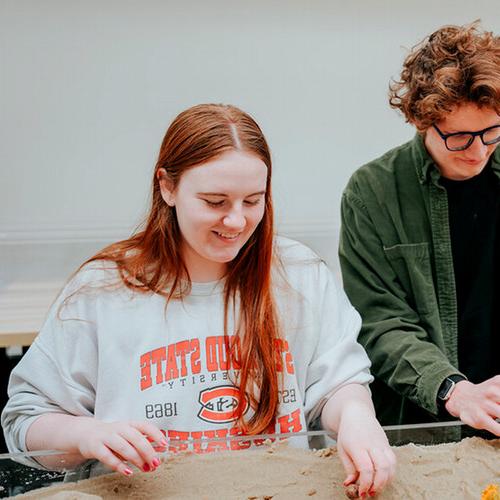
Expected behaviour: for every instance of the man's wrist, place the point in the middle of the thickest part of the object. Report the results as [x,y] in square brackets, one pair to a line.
[446,389]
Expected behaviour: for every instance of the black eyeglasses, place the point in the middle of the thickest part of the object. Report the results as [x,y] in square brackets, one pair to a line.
[458,141]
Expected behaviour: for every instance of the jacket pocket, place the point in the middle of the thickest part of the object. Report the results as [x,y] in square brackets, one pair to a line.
[412,264]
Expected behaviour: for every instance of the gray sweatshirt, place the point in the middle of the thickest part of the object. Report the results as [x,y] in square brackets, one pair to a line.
[115,354]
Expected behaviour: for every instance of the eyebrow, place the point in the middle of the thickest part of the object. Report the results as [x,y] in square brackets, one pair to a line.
[471,131]
[224,195]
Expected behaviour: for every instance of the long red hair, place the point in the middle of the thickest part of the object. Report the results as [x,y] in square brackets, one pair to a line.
[151,260]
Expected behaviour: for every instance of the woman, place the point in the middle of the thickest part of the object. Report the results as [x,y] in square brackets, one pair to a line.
[200,325]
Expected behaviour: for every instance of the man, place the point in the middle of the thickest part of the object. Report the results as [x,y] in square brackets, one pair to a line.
[420,239]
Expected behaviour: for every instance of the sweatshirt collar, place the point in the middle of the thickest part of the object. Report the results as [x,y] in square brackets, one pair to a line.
[208,288]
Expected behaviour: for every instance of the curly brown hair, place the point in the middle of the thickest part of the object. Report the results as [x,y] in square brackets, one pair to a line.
[455,64]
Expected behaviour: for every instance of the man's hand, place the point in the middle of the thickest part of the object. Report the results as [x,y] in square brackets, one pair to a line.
[477,405]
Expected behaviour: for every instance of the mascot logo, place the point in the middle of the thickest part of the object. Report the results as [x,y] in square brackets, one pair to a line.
[219,405]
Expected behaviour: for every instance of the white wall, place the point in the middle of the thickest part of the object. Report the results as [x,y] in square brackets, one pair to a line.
[87,89]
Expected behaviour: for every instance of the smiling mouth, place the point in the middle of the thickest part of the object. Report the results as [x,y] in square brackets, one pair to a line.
[227,236]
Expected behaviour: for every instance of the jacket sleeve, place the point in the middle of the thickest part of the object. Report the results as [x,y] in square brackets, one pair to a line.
[401,351]
[338,358]
[58,373]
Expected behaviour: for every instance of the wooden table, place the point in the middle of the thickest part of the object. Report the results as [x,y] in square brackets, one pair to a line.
[9,339]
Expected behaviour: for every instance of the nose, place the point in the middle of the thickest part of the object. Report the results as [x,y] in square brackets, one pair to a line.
[477,150]
[234,219]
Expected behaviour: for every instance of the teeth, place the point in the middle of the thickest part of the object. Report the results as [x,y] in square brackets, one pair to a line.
[228,235]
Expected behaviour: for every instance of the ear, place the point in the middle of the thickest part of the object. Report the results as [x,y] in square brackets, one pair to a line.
[166,187]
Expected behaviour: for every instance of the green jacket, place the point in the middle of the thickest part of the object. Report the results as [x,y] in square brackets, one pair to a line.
[397,266]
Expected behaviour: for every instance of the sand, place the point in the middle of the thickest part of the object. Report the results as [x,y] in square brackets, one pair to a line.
[448,471]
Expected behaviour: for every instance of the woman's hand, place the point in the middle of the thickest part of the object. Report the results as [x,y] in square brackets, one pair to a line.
[115,444]
[364,451]
[361,442]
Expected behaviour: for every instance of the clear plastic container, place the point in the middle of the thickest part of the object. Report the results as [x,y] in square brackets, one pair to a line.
[17,477]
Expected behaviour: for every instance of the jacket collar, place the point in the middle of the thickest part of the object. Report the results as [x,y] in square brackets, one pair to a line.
[422,160]
[426,168]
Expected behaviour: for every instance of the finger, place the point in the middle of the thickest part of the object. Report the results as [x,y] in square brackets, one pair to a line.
[391,457]
[382,470]
[107,457]
[159,448]
[491,425]
[153,435]
[350,469]
[364,465]
[143,448]
[123,448]
[151,432]
[490,407]
[350,479]
[494,410]
[484,418]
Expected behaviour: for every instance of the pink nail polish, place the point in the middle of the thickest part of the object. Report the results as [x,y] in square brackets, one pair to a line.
[127,471]
[146,468]
[155,462]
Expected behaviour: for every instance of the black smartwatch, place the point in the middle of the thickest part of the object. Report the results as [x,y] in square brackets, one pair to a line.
[447,387]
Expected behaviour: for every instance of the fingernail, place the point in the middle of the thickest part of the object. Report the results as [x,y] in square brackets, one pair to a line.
[146,468]
[348,480]
[362,495]
[127,471]
[372,493]
[155,462]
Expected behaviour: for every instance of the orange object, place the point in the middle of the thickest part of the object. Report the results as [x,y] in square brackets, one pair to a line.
[491,492]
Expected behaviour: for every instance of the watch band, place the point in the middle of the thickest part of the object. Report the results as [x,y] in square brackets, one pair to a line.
[447,387]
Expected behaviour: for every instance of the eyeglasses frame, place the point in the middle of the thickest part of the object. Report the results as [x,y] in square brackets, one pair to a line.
[473,135]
